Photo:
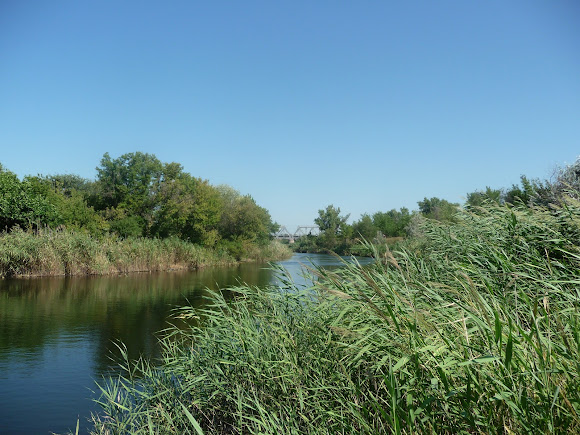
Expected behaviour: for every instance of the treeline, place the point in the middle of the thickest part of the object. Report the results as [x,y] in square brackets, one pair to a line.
[136,196]
[394,225]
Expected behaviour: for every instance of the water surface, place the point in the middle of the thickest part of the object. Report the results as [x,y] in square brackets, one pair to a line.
[57,335]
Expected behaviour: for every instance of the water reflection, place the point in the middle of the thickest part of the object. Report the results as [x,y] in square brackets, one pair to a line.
[131,308]
[57,335]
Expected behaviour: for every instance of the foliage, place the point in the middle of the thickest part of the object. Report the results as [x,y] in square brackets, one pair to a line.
[531,192]
[334,231]
[129,183]
[163,201]
[365,227]
[307,243]
[203,222]
[478,198]
[21,205]
[135,195]
[330,221]
[189,208]
[475,328]
[243,219]
[393,223]
[65,194]
[438,209]
[68,184]
[126,226]
[175,201]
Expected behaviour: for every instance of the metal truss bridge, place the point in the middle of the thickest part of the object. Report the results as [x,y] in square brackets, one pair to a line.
[301,231]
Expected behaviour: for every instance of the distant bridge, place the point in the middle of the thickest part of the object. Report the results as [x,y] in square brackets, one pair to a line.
[301,231]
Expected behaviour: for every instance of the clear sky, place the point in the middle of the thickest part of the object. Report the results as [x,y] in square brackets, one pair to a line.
[367,105]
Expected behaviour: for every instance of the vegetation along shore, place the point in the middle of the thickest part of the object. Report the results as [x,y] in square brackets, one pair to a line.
[138,215]
[471,326]
[470,323]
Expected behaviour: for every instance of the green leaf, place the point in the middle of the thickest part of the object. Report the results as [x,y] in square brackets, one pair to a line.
[404,360]
[497,329]
[192,420]
[509,351]
[485,359]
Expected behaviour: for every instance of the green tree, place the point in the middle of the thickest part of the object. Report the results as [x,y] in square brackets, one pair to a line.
[333,228]
[330,221]
[392,223]
[22,205]
[243,219]
[75,213]
[189,208]
[365,227]
[67,184]
[123,224]
[205,217]
[438,209]
[243,222]
[530,192]
[175,201]
[72,210]
[131,183]
[478,198]
[142,196]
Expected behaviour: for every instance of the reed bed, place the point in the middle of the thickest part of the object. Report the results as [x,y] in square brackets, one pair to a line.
[473,327]
[51,252]
[274,250]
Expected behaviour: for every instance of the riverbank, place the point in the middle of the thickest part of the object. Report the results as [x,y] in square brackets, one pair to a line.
[353,246]
[67,253]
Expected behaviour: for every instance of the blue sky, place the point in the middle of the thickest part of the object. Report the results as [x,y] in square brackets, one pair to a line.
[365,105]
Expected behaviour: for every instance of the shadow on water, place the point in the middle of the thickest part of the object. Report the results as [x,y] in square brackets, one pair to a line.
[57,335]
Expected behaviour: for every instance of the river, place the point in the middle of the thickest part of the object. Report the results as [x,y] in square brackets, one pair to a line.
[57,335]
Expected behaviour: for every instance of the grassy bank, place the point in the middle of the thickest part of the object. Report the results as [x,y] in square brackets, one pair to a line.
[50,253]
[473,327]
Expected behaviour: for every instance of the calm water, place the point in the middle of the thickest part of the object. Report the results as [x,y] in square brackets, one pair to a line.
[57,335]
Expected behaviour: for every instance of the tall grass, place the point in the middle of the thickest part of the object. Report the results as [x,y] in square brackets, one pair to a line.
[474,327]
[28,253]
[274,250]
[62,252]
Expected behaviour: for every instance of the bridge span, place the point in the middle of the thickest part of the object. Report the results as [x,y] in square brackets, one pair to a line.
[301,231]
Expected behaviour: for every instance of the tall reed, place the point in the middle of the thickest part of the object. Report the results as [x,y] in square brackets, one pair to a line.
[471,328]
[62,252]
